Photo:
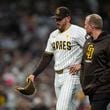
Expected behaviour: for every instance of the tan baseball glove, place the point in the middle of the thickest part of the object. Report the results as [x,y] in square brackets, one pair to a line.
[28,89]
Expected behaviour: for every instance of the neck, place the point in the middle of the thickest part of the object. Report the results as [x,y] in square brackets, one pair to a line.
[95,34]
[67,26]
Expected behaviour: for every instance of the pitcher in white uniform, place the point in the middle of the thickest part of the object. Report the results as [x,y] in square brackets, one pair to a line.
[65,45]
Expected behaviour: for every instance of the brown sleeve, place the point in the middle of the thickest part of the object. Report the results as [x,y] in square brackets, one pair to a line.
[44,62]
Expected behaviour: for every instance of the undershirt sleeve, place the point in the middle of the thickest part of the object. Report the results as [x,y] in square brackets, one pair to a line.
[44,62]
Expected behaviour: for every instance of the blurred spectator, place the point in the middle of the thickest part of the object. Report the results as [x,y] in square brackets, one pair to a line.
[40,107]
[3,97]
[24,29]
[23,104]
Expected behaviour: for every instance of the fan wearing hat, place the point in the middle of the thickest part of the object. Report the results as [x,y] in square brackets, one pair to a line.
[65,47]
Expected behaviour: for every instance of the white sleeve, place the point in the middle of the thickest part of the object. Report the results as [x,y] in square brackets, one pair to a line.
[49,47]
[80,39]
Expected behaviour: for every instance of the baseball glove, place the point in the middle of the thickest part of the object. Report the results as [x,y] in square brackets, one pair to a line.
[29,88]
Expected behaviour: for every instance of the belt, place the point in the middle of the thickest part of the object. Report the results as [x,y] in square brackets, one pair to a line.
[59,71]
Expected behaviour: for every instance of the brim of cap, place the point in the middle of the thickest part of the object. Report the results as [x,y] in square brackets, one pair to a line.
[56,17]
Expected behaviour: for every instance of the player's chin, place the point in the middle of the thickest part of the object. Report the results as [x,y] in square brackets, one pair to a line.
[60,28]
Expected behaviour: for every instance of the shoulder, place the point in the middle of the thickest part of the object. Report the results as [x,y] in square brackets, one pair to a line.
[78,31]
[54,33]
[78,28]
[88,41]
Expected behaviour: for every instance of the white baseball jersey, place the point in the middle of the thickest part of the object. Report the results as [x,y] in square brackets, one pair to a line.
[66,46]
[67,50]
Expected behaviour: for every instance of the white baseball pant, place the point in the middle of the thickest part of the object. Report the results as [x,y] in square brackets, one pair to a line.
[66,85]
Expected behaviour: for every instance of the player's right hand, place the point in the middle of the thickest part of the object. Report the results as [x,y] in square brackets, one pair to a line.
[29,87]
[30,77]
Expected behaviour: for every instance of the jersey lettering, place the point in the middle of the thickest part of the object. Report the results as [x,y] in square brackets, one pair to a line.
[62,45]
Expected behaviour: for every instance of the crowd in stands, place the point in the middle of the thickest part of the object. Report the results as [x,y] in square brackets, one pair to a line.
[25,26]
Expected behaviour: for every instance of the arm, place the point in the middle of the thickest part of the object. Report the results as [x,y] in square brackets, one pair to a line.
[29,88]
[81,37]
[44,62]
[105,78]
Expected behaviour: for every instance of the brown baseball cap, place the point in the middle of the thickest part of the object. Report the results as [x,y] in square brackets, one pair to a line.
[61,12]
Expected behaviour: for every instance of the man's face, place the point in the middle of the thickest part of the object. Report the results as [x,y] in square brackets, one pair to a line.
[88,26]
[61,23]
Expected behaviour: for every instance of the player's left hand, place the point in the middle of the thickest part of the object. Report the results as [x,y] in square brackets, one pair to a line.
[79,95]
[74,68]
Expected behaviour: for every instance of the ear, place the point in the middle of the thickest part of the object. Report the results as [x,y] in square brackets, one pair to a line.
[68,18]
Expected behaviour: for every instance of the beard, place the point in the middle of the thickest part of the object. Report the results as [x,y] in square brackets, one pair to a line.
[61,29]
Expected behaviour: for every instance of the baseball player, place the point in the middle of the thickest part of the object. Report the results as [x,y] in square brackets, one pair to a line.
[65,45]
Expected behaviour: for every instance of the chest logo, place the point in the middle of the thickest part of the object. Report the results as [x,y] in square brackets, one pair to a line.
[90,51]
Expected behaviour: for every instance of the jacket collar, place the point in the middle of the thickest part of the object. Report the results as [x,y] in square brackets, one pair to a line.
[102,36]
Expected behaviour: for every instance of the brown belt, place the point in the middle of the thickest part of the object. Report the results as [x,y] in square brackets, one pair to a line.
[59,71]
